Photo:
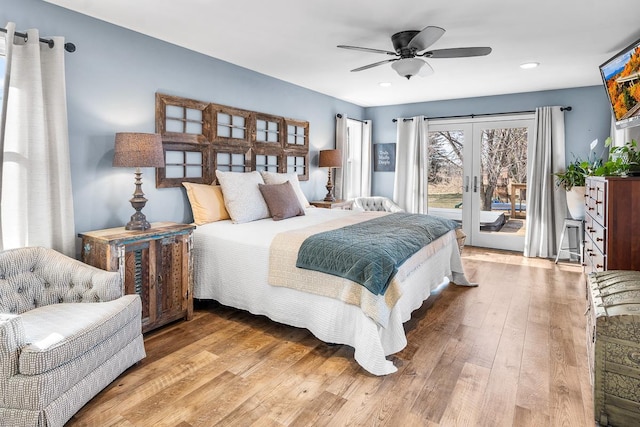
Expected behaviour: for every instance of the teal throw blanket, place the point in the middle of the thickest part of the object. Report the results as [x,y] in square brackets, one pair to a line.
[370,252]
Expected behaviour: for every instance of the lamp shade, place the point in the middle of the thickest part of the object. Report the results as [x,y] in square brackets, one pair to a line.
[138,150]
[330,159]
[408,67]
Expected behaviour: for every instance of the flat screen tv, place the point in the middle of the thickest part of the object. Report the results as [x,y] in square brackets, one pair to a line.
[621,77]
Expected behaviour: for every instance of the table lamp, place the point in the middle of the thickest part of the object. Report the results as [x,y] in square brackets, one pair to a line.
[138,150]
[330,159]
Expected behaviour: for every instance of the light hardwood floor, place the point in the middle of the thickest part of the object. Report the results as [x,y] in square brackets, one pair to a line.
[508,353]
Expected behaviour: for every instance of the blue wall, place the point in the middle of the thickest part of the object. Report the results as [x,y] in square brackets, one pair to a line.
[113,76]
[112,79]
[590,118]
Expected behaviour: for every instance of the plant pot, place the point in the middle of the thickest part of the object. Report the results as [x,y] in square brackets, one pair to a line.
[575,202]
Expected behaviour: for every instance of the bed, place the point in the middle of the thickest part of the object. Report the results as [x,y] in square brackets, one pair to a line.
[231,266]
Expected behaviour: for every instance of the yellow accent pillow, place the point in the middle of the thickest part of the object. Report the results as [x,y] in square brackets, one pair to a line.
[207,203]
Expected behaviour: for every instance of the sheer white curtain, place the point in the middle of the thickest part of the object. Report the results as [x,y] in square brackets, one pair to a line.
[410,183]
[37,205]
[353,138]
[546,207]
[342,140]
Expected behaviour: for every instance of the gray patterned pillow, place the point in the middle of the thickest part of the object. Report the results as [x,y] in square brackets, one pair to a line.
[242,198]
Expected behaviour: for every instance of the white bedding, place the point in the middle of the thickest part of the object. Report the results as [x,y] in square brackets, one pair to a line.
[231,267]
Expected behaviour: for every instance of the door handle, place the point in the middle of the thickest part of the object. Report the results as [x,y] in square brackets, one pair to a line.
[475,184]
[466,184]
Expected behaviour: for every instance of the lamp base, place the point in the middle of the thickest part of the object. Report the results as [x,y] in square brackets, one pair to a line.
[329,197]
[138,219]
[138,222]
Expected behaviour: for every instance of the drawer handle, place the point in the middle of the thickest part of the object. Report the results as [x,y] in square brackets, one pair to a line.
[590,208]
[599,239]
[599,266]
[634,356]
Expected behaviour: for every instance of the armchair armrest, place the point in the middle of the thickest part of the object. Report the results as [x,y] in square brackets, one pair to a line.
[12,339]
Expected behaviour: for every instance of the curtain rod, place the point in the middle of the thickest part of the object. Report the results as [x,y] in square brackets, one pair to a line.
[69,47]
[479,115]
[350,118]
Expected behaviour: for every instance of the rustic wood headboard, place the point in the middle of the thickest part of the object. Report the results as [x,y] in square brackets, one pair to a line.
[199,137]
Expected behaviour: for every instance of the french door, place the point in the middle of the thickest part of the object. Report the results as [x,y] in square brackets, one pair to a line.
[478,176]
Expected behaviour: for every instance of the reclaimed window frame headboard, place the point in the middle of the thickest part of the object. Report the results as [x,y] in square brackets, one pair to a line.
[199,137]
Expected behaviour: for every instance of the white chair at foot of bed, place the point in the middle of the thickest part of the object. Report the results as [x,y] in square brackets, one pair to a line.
[375,203]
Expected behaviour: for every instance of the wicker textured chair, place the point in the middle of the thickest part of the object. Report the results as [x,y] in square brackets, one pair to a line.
[375,203]
[66,332]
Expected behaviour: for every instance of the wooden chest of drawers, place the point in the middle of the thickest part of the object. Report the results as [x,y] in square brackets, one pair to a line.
[612,224]
[613,344]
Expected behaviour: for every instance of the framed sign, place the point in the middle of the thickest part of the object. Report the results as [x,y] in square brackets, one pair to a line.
[384,157]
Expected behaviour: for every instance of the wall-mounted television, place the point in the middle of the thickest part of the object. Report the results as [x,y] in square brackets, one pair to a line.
[621,77]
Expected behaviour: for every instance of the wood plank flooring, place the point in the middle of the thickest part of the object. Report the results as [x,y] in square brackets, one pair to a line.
[508,353]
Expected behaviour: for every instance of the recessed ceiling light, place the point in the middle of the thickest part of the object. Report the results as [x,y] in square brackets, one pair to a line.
[529,65]
[384,84]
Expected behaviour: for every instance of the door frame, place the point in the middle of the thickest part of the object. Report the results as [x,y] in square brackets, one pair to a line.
[472,128]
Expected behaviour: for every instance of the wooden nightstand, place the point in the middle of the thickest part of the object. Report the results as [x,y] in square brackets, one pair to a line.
[338,204]
[155,264]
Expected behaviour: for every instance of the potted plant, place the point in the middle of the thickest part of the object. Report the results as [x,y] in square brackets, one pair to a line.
[624,160]
[572,181]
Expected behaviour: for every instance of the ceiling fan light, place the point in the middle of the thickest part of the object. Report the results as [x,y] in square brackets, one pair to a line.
[408,67]
[529,65]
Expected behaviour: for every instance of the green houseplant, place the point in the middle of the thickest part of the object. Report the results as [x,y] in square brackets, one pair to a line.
[574,176]
[573,179]
[623,160]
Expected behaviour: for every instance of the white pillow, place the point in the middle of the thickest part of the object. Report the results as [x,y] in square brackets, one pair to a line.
[271,178]
[242,197]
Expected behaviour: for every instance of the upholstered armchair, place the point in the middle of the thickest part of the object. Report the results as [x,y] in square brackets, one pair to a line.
[375,203]
[66,332]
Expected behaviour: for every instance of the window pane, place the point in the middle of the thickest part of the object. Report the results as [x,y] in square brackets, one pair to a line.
[237,133]
[194,171]
[194,128]
[174,171]
[174,125]
[174,157]
[224,158]
[224,119]
[194,114]
[174,111]
[194,157]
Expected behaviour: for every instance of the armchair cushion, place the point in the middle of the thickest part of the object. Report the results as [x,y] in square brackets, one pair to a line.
[61,332]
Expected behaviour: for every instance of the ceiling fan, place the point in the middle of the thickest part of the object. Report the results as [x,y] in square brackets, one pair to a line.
[409,45]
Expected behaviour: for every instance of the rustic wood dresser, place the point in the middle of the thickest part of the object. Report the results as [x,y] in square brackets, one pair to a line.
[154,263]
[613,344]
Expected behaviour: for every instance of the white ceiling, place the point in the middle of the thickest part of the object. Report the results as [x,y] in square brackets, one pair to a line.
[295,40]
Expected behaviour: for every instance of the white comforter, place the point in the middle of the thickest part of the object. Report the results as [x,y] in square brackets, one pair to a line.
[231,266]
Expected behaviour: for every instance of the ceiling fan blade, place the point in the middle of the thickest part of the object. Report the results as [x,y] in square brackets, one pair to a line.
[426,70]
[425,38]
[367,49]
[458,52]
[375,64]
